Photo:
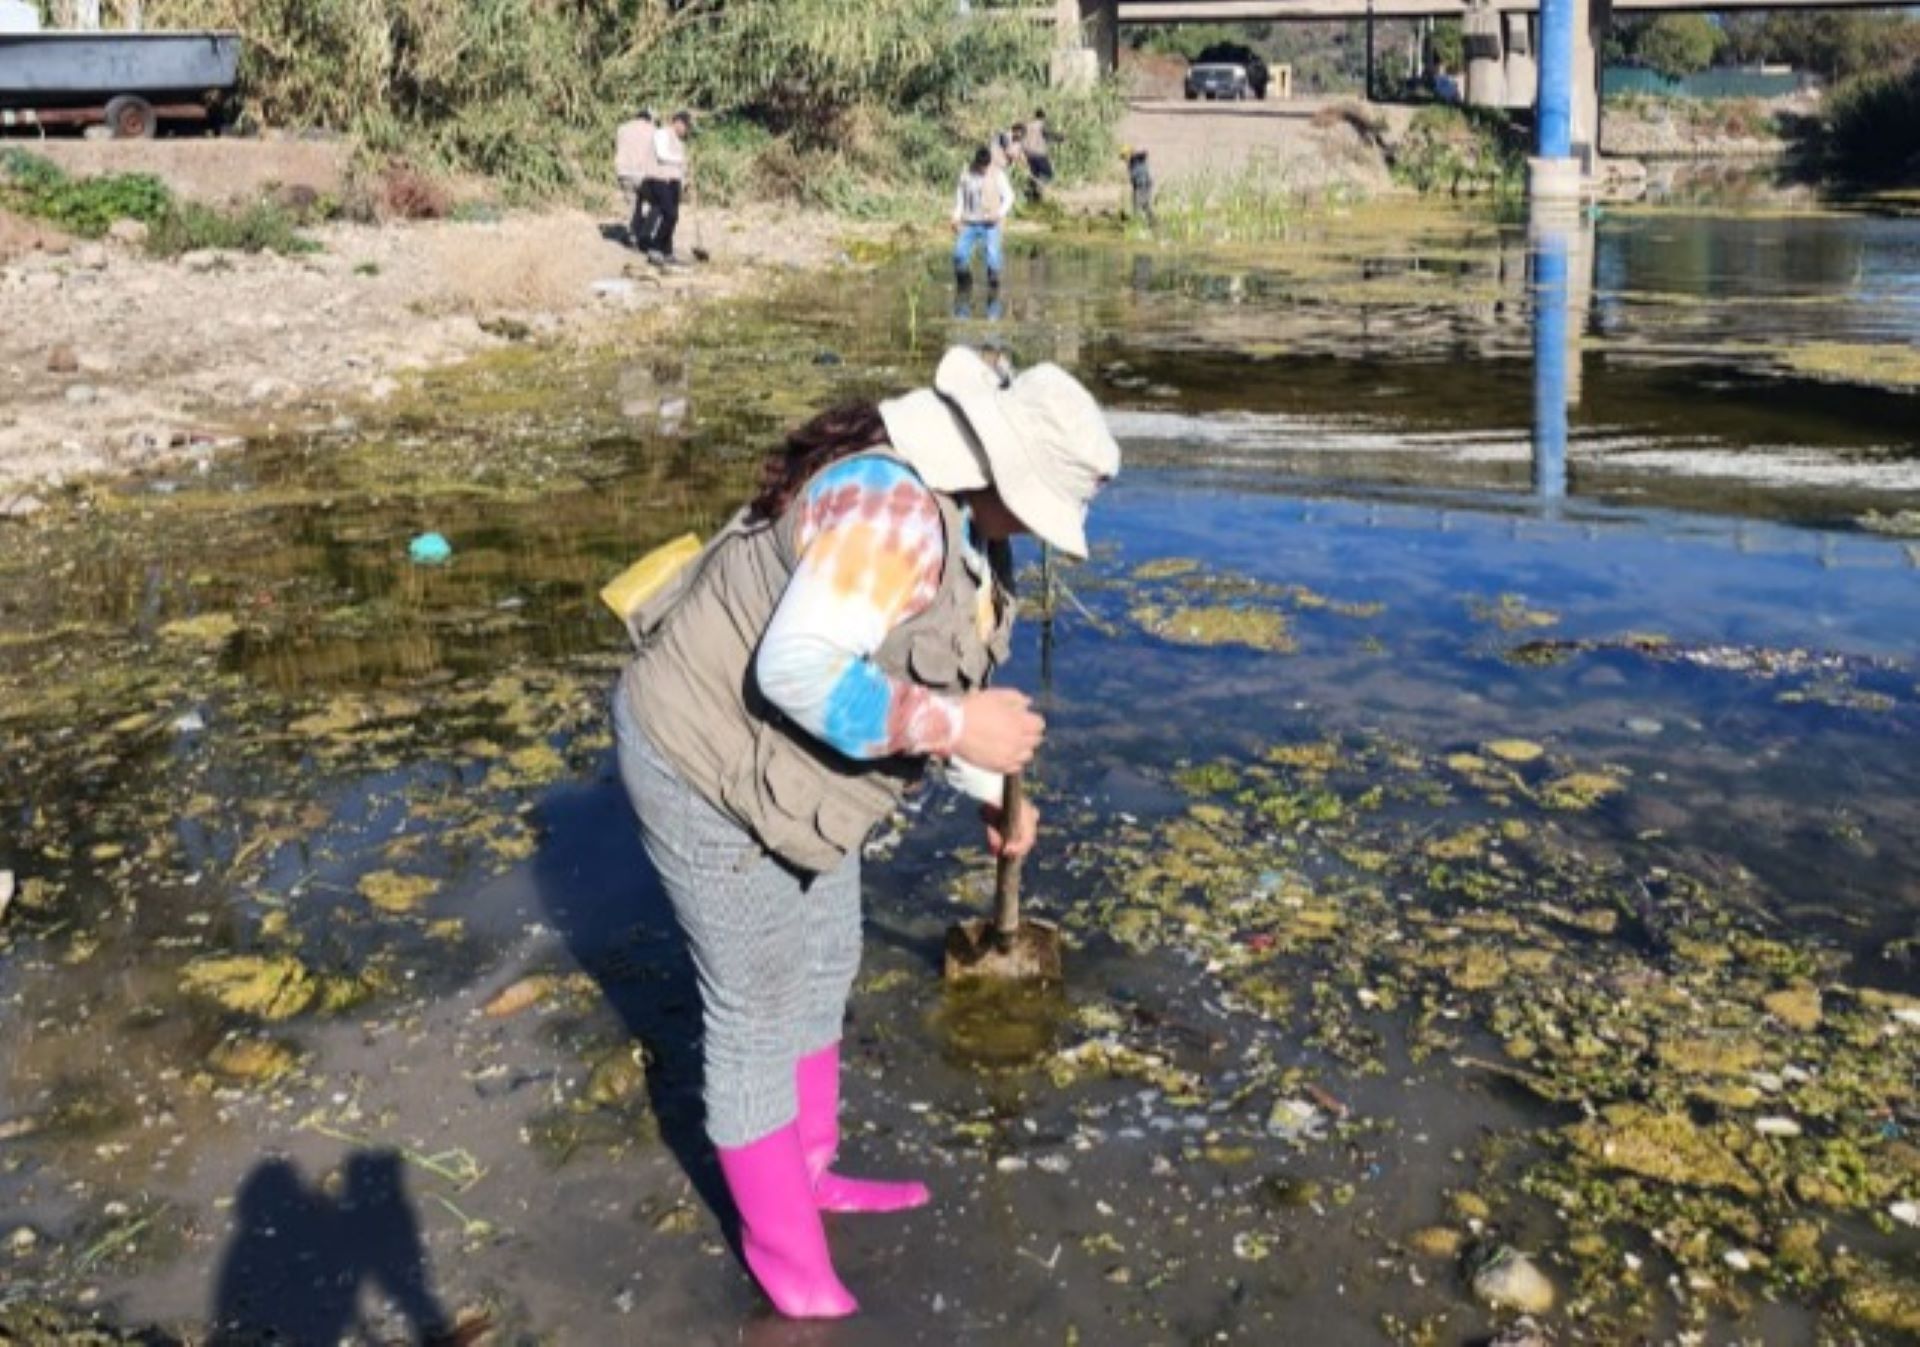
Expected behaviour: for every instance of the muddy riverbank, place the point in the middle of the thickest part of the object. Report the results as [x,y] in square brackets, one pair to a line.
[118,362]
[1462,859]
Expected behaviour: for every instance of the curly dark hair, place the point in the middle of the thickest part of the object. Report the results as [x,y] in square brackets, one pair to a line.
[839,432]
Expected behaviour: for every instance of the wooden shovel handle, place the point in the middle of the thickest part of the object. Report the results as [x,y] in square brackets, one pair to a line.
[1006,888]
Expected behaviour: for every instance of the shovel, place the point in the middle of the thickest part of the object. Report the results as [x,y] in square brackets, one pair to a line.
[700,253]
[1005,949]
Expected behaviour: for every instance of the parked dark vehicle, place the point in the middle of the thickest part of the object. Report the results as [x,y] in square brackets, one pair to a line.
[1218,81]
[128,81]
[1253,69]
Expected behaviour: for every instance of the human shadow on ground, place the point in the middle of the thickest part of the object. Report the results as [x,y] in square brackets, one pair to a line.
[604,900]
[301,1258]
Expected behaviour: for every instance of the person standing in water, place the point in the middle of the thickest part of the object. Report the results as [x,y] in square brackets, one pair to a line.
[981,204]
[792,684]
[1039,154]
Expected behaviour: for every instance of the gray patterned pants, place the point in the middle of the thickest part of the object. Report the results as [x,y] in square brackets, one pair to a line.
[775,954]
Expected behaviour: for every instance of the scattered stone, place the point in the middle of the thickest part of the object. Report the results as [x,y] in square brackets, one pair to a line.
[1516,750]
[201,260]
[82,395]
[525,994]
[91,257]
[1510,1281]
[190,723]
[63,359]
[618,1076]
[1777,1127]
[24,1239]
[23,506]
[129,233]
[1907,1213]
[615,287]
[1643,725]
[6,892]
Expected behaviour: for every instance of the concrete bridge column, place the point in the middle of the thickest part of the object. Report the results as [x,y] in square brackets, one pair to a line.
[1486,62]
[1075,65]
[1100,21]
[1523,74]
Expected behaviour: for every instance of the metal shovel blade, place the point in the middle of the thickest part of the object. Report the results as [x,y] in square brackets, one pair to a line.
[1005,949]
[976,951]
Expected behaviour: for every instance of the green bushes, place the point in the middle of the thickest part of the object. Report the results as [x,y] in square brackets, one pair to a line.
[263,227]
[842,101]
[1873,128]
[32,185]
[1461,150]
[88,207]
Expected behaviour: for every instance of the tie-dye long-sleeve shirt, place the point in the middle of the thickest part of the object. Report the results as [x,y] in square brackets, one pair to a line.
[871,550]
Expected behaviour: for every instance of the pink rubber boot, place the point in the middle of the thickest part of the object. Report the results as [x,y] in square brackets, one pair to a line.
[780,1230]
[818,1080]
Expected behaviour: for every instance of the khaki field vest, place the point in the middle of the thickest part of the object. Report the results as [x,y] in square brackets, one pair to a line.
[692,688]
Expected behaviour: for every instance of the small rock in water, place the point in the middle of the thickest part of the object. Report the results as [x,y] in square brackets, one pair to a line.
[1510,1281]
[6,892]
[1907,1213]
[23,1239]
[1776,1127]
[1296,1120]
[190,723]
[1643,725]
[1524,1333]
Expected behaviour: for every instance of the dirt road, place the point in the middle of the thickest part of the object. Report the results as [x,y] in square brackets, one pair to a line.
[1315,141]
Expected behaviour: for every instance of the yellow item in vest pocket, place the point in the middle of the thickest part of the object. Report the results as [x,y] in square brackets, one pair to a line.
[626,592]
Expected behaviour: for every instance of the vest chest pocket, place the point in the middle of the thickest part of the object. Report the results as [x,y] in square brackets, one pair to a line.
[935,661]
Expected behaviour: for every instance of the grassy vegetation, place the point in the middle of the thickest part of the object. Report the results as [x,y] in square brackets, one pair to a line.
[842,105]
[31,185]
[1461,151]
[88,207]
[1248,205]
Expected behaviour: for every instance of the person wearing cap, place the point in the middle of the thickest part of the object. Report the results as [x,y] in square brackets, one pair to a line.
[663,188]
[633,164]
[981,204]
[792,684]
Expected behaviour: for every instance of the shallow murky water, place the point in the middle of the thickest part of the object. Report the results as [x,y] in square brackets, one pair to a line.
[1483,795]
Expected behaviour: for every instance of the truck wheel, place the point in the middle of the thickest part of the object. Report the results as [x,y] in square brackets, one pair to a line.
[131,118]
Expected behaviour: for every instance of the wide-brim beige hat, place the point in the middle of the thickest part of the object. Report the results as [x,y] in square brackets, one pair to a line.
[926,429]
[1039,440]
[1048,451]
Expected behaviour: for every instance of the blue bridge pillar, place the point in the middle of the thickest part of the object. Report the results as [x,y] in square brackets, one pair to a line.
[1568,99]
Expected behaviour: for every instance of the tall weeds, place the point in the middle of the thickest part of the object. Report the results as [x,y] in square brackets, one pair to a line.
[823,99]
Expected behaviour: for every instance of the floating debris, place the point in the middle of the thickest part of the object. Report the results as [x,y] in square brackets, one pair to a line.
[1219,624]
